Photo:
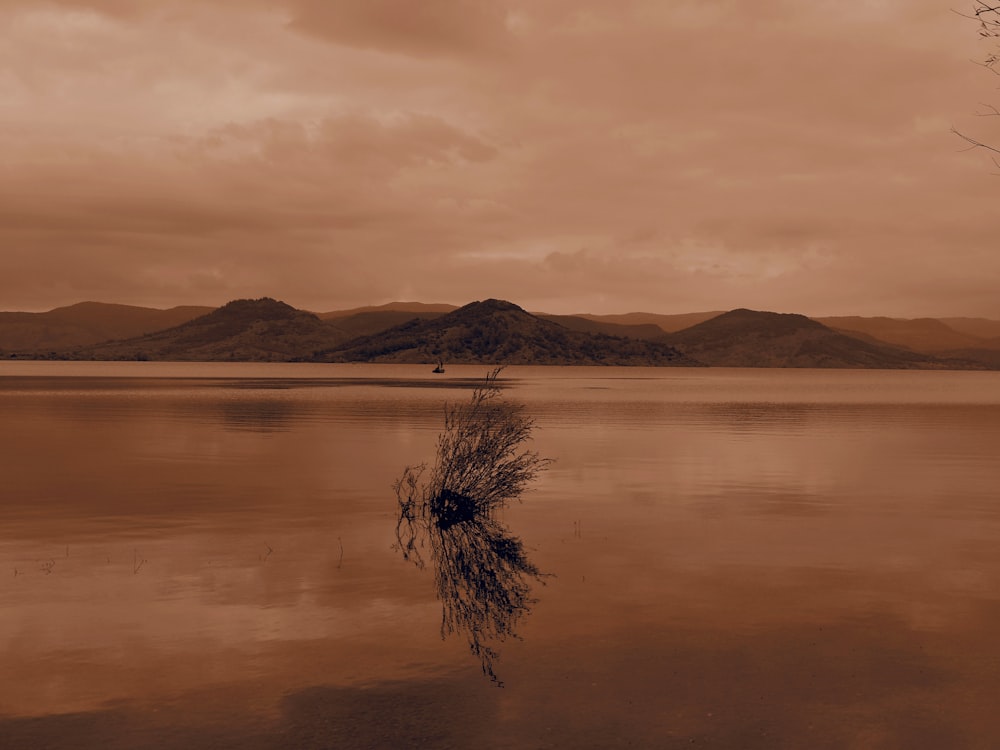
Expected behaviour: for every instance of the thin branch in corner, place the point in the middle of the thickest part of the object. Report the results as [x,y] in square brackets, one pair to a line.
[973,143]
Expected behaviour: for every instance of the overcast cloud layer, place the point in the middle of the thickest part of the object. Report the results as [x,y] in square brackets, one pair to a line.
[568,155]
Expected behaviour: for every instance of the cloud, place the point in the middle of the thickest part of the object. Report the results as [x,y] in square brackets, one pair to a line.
[430,28]
[671,156]
[121,8]
[249,198]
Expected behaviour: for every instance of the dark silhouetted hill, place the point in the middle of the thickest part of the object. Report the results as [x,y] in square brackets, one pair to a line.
[749,338]
[495,331]
[84,324]
[243,330]
[990,358]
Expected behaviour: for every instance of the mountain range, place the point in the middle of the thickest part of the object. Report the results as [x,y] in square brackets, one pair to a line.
[496,331]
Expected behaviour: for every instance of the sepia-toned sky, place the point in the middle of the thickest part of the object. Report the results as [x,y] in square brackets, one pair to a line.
[568,155]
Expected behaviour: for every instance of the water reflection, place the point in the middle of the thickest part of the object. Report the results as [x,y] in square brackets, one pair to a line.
[259,415]
[482,573]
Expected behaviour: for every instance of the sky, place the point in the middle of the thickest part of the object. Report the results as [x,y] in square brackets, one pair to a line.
[567,155]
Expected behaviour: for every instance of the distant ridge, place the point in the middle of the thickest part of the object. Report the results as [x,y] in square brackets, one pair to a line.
[646,331]
[373,321]
[751,338]
[496,331]
[419,308]
[980,327]
[85,323]
[927,335]
[668,323]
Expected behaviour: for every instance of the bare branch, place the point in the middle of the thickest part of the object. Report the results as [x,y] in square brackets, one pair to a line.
[974,143]
[987,14]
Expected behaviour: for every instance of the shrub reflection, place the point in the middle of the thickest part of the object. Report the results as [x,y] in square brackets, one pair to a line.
[481,571]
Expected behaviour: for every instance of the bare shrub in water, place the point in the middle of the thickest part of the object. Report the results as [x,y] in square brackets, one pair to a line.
[480,457]
[482,574]
[481,462]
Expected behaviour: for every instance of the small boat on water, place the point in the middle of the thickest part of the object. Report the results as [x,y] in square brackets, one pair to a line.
[439,368]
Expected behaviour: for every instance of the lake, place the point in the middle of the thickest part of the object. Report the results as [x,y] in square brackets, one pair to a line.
[202,555]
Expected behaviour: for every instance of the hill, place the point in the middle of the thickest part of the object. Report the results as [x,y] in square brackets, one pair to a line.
[749,338]
[84,324]
[495,331]
[242,330]
[980,327]
[927,335]
[990,358]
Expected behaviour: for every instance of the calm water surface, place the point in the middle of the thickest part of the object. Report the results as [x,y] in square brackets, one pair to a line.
[200,555]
